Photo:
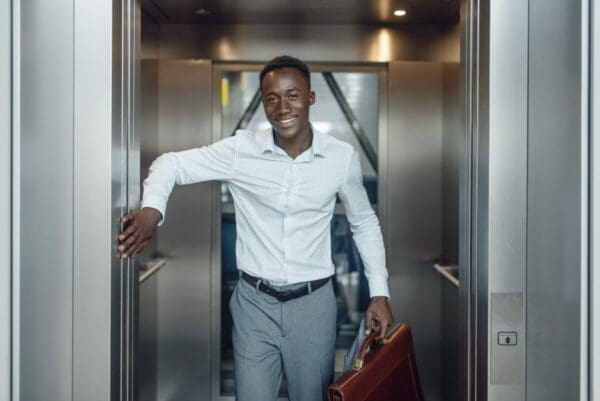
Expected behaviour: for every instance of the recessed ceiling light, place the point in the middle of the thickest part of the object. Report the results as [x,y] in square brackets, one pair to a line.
[400,13]
[202,11]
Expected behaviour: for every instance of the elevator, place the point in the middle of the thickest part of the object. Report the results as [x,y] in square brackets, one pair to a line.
[473,124]
[205,86]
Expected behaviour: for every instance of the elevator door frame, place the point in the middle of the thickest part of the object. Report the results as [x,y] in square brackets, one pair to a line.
[218,69]
[5,200]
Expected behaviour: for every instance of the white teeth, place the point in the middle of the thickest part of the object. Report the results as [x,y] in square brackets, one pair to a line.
[288,120]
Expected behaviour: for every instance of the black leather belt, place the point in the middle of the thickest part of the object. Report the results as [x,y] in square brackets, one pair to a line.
[284,296]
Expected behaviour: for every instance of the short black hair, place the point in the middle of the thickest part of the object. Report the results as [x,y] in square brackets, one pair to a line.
[286,62]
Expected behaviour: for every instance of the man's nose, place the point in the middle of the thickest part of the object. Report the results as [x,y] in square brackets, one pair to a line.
[284,107]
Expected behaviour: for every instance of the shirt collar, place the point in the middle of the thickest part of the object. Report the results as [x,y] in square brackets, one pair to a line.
[315,149]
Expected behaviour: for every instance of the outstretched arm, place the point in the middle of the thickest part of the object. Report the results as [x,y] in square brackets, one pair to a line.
[366,233]
[213,162]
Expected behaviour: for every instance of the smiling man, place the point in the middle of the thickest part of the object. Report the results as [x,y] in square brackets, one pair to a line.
[284,183]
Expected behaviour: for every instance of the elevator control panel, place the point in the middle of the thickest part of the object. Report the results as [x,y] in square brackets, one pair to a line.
[507,338]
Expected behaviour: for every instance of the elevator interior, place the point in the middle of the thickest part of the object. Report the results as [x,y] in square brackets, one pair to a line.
[388,86]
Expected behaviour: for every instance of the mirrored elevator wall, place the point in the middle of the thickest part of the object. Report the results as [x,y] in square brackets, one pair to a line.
[418,175]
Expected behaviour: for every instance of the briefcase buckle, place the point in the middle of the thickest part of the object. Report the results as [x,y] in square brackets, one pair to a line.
[358,364]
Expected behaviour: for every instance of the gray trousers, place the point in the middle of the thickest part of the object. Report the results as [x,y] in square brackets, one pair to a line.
[268,335]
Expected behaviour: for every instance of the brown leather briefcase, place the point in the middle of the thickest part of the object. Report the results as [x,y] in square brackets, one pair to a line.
[387,372]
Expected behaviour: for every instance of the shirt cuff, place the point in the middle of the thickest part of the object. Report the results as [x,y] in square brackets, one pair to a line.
[379,288]
[157,203]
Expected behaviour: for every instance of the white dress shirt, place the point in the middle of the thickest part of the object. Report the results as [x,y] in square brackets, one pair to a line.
[283,206]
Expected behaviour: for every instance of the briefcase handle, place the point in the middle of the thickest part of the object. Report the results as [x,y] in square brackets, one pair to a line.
[360,358]
[370,340]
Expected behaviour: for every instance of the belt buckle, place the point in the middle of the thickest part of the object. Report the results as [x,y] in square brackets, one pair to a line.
[283,296]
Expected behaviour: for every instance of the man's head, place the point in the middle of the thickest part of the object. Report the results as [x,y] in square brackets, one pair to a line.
[286,62]
[286,96]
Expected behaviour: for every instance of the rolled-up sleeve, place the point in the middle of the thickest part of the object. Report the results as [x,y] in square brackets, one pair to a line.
[365,228]
[212,162]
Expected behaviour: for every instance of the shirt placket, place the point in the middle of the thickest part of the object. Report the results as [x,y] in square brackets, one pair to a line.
[288,182]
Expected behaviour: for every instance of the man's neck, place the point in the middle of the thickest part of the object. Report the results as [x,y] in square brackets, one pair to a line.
[296,146]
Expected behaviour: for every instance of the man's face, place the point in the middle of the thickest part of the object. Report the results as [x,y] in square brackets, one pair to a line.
[287,99]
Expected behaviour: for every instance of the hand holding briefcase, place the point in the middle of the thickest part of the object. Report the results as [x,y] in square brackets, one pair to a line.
[387,372]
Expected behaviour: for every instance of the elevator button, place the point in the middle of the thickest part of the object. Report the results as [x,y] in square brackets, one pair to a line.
[507,338]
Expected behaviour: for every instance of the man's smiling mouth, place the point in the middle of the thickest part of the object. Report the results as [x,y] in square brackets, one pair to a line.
[286,121]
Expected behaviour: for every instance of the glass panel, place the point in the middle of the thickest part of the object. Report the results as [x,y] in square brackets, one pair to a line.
[361,91]
[350,284]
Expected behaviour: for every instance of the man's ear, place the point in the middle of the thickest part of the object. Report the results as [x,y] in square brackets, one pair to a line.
[311,98]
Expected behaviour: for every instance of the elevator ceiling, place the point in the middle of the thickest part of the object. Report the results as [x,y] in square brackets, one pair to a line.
[355,12]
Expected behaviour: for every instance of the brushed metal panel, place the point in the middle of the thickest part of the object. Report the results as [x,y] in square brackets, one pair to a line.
[184,301]
[94,219]
[148,329]
[479,203]
[340,43]
[554,201]
[414,222]
[506,361]
[46,215]
[468,103]
[451,142]
[594,82]
[130,95]
[450,338]
[15,203]
[149,38]
[5,199]
[506,125]
[148,126]
[118,195]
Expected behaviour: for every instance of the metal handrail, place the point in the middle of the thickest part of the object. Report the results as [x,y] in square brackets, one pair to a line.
[151,269]
[445,272]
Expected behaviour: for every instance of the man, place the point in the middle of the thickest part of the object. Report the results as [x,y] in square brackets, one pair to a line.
[284,184]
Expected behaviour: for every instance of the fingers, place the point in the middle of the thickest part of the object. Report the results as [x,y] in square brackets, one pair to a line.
[383,329]
[368,323]
[129,237]
[140,227]
[131,228]
[129,216]
[139,248]
[376,326]
[378,317]
[371,321]
[126,217]
[379,324]
[134,246]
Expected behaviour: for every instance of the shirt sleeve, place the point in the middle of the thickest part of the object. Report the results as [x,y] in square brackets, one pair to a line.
[365,228]
[212,162]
